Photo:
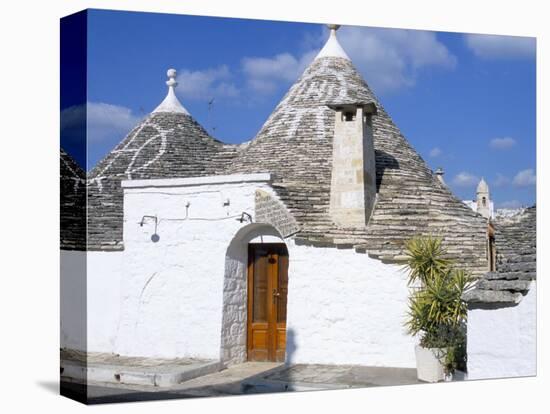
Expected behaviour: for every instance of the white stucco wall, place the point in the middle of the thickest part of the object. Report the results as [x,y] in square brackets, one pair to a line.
[90,299]
[173,290]
[502,342]
[73,299]
[346,308]
[105,273]
[185,294]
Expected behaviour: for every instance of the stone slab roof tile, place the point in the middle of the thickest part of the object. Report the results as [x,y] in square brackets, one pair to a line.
[72,204]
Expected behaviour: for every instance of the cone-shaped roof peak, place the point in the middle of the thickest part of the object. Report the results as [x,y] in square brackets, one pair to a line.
[482,187]
[171,102]
[332,47]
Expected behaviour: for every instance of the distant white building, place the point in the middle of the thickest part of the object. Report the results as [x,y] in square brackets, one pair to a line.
[483,203]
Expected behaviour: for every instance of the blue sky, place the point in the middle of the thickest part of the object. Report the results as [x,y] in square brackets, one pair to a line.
[465,102]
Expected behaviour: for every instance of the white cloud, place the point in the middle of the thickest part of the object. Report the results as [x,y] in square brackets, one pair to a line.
[104,121]
[502,143]
[500,47]
[265,74]
[206,84]
[391,58]
[525,178]
[465,179]
[501,180]
[73,117]
[435,152]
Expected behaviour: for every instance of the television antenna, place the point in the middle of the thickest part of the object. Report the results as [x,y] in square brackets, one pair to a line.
[209,116]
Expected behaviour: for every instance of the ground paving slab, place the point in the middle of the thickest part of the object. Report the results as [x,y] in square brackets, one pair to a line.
[247,378]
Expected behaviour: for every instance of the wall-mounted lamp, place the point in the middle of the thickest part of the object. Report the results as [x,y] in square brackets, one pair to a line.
[245,217]
[155,237]
[142,222]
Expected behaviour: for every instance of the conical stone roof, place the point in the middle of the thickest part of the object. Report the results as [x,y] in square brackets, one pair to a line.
[168,143]
[295,144]
[72,203]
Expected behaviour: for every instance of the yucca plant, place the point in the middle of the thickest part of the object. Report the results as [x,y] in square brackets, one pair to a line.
[425,258]
[436,310]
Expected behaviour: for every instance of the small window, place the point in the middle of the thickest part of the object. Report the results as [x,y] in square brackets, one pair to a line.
[349,116]
[484,202]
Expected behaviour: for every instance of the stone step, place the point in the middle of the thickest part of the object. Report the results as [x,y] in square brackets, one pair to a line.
[160,376]
[517,267]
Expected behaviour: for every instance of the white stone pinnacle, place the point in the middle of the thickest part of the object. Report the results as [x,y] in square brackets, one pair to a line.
[332,47]
[482,186]
[171,102]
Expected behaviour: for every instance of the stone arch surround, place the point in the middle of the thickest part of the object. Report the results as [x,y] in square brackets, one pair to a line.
[234,318]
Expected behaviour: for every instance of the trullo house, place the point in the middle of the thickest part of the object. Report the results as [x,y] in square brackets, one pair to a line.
[284,248]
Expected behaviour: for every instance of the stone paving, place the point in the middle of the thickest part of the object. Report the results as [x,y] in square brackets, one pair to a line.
[250,378]
[346,376]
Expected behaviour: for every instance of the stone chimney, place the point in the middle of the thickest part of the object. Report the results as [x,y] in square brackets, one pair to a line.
[353,183]
[439,173]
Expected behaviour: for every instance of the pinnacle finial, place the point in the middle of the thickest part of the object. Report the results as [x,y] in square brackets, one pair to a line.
[171,82]
[171,102]
[332,47]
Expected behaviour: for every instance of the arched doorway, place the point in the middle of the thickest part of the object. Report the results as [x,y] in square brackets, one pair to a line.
[255,296]
[267,301]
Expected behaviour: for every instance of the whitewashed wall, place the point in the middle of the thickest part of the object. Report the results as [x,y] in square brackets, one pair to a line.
[185,295]
[502,342]
[346,308]
[105,274]
[173,289]
[90,299]
[73,299]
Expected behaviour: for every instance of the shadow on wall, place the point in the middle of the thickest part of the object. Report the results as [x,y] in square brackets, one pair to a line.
[384,161]
[291,346]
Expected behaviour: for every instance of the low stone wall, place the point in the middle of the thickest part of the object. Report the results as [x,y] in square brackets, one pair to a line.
[502,340]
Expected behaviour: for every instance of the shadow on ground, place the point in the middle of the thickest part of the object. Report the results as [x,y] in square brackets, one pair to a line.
[51,386]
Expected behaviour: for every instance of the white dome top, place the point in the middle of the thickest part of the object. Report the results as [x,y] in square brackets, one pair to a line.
[171,102]
[482,187]
[332,47]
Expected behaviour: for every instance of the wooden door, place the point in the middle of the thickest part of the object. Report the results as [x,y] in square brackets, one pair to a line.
[267,299]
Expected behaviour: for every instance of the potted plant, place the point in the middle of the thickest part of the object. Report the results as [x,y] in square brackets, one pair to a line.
[437,313]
